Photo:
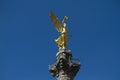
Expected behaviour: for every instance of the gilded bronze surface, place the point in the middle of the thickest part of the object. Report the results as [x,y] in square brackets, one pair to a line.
[62,40]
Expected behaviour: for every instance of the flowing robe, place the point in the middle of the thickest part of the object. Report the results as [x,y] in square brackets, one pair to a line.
[62,40]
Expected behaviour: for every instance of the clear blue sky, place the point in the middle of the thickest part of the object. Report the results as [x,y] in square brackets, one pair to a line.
[27,38]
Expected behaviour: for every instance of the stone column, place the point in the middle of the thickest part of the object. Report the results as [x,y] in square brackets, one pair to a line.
[65,68]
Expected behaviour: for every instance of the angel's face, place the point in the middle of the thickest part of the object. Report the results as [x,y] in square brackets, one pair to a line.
[64,25]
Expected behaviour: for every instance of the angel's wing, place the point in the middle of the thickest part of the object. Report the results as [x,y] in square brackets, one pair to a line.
[55,21]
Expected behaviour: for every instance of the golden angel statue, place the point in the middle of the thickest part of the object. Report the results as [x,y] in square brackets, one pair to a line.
[62,40]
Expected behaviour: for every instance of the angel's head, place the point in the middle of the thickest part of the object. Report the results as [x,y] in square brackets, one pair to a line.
[64,24]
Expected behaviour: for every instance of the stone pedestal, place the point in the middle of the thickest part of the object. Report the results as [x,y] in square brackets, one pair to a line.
[65,68]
